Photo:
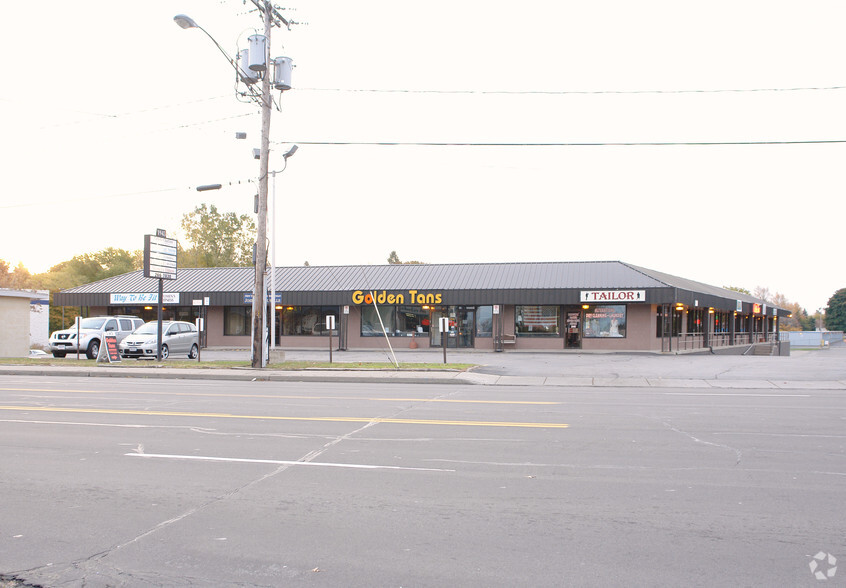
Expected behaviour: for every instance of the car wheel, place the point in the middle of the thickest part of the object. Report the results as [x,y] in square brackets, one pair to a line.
[165,352]
[59,354]
[194,352]
[93,349]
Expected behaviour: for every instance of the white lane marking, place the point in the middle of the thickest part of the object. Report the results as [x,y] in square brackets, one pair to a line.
[286,463]
[80,424]
[730,394]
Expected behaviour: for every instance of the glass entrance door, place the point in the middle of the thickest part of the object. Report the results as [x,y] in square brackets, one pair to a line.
[574,329]
[462,326]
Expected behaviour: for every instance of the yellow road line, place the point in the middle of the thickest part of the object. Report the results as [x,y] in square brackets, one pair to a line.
[282,397]
[287,418]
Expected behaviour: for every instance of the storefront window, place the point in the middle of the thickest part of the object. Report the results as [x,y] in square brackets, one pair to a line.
[537,320]
[399,321]
[236,320]
[695,320]
[669,325]
[722,322]
[307,320]
[605,321]
[484,321]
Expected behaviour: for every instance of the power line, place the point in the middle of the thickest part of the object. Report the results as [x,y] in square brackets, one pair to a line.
[120,115]
[563,144]
[576,92]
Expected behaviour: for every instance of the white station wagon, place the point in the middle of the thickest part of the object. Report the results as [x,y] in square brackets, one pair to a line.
[177,337]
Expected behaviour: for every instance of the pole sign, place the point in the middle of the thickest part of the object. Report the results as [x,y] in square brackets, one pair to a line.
[159,257]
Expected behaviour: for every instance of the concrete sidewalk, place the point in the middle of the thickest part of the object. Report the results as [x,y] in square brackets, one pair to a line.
[804,370]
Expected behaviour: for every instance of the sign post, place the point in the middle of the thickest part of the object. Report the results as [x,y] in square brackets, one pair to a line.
[330,326]
[443,324]
[160,262]
[200,322]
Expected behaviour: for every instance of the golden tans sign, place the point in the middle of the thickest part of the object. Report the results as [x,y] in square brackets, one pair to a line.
[383,297]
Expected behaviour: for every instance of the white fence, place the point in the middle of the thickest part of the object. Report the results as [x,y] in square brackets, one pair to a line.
[811,338]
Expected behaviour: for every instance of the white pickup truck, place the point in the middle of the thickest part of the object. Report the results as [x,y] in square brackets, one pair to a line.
[89,335]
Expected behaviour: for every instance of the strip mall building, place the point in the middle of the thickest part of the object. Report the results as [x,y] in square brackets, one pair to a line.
[597,306]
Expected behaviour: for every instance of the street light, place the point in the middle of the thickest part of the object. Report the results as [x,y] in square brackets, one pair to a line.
[257,69]
[285,157]
[186,22]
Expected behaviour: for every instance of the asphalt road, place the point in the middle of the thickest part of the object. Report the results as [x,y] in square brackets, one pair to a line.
[125,482]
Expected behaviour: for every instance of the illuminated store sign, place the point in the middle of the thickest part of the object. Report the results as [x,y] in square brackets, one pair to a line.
[613,296]
[383,297]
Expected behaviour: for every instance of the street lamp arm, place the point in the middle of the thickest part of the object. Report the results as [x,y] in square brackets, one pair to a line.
[186,22]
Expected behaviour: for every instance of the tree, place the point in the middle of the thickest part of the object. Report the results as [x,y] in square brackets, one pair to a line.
[806,321]
[83,269]
[217,239]
[738,289]
[835,314]
[394,259]
[763,293]
[798,319]
[17,279]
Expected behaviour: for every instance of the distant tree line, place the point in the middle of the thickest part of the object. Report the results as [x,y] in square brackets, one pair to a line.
[214,239]
[225,239]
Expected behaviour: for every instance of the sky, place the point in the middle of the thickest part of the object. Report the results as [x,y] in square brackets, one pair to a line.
[704,140]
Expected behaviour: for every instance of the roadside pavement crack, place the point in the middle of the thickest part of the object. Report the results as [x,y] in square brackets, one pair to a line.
[738,453]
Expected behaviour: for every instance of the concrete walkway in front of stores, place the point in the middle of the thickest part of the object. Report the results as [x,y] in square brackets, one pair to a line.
[804,369]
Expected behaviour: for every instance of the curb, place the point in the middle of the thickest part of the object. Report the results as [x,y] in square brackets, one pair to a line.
[470,378]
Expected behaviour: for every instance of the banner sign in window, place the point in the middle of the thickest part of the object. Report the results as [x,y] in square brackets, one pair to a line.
[605,321]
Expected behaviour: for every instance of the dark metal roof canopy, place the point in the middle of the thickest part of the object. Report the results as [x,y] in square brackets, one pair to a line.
[470,284]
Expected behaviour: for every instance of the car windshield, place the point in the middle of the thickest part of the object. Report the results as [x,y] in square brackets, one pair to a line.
[149,328]
[91,323]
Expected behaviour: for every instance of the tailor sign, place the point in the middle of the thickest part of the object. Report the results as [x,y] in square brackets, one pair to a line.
[592,296]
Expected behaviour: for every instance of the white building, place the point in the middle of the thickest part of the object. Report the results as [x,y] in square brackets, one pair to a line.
[39,319]
[15,316]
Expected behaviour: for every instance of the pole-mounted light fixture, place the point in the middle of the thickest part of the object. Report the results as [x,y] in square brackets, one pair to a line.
[250,67]
[290,152]
[185,21]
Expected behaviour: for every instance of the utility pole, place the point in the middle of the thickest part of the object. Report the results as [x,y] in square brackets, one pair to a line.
[250,66]
[259,290]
